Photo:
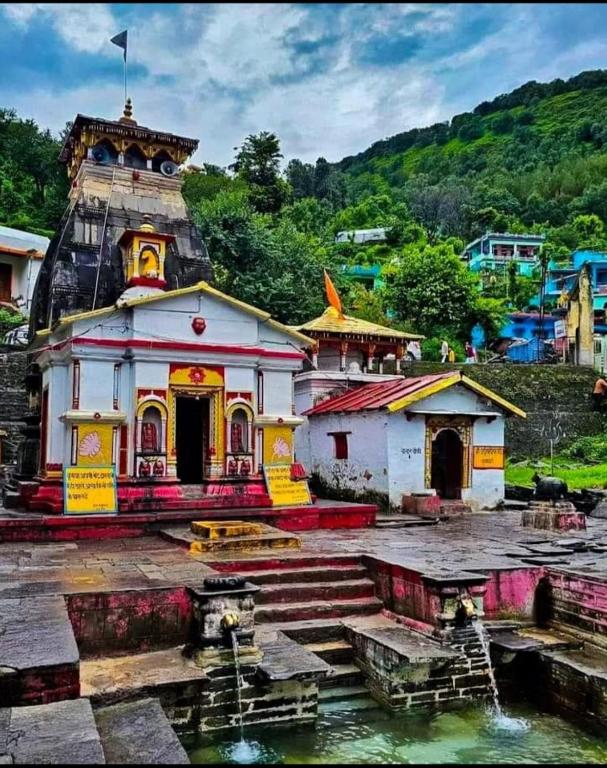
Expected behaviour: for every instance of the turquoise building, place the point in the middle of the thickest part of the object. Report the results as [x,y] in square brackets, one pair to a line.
[494,251]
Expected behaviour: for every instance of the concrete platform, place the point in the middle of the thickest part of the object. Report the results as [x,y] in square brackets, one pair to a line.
[138,733]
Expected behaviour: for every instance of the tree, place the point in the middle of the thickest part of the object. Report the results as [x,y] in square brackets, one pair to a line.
[590,232]
[265,262]
[432,288]
[257,163]
[301,178]
[366,304]
[438,208]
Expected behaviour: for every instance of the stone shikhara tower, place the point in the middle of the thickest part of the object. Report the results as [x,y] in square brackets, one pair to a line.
[123,175]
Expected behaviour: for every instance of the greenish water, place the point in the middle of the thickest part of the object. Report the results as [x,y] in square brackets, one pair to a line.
[463,736]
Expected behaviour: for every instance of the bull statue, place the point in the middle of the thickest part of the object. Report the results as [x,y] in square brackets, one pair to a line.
[549,488]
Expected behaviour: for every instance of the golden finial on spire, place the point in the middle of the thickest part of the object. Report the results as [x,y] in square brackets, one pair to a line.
[127,115]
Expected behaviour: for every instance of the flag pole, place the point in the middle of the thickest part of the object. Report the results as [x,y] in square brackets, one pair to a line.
[125,77]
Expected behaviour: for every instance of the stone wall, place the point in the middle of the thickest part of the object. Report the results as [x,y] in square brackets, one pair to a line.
[579,601]
[404,669]
[13,400]
[541,391]
[109,623]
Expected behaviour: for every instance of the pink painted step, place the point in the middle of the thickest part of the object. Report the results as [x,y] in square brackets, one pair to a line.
[306,592]
[333,573]
[265,564]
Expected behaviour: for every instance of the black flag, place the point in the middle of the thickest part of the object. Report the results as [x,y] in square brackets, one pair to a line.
[120,41]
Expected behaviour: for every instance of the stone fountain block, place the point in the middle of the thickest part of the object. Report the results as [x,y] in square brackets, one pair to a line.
[211,644]
[444,589]
[559,516]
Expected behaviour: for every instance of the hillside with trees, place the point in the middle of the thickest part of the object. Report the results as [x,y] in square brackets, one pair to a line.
[533,160]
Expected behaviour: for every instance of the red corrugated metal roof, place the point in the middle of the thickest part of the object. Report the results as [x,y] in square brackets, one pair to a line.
[380,395]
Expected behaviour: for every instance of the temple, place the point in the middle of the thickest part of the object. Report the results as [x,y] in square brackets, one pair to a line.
[122,176]
[139,363]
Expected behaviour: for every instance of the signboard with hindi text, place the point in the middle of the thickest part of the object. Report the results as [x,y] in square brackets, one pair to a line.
[282,490]
[488,457]
[90,491]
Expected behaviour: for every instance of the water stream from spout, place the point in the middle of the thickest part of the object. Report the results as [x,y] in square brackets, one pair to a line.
[483,639]
[238,680]
[501,721]
[244,752]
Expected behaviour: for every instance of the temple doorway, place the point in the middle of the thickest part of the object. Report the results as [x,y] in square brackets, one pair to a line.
[447,464]
[191,437]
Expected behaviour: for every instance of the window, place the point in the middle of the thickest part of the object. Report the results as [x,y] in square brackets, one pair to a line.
[341,444]
[116,386]
[76,385]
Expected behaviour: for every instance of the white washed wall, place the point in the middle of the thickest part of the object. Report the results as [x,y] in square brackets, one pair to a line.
[366,467]
[487,484]
[406,451]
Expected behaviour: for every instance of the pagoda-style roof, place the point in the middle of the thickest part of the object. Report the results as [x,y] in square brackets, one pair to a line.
[122,129]
[331,324]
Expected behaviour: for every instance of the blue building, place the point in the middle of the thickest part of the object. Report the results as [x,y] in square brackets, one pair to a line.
[520,325]
[561,279]
[494,251]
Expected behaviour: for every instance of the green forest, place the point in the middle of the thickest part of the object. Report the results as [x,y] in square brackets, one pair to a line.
[533,160]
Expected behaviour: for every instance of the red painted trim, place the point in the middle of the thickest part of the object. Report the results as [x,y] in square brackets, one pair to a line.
[150,282]
[182,345]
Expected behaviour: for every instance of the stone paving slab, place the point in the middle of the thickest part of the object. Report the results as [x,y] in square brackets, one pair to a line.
[407,644]
[63,733]
[120,677]
[139,733]
[36,632]
[285,659]
[475,542]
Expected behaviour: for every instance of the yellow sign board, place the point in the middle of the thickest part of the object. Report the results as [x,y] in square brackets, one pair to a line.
[277,445]
[488,457]
[284,491]
[90,490]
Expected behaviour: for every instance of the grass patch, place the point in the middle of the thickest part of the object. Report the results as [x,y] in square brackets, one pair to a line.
[576,475]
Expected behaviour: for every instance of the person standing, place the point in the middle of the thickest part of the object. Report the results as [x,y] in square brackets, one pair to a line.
[451,355]
[598,393]
[444,350]
[469,352]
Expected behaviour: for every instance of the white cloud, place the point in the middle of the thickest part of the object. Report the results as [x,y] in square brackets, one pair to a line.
[219,72]
[84,26]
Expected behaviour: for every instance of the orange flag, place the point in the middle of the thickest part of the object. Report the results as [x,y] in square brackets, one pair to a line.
[332,295]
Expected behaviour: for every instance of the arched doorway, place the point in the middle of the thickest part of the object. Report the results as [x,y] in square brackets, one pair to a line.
[447,464]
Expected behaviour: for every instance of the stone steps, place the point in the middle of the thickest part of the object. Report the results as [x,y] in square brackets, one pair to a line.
[314,630]
[307,591]
[341,675]
[333,573]
[280,612]
[342,693]
[332,651]
[288,562]
[327,708]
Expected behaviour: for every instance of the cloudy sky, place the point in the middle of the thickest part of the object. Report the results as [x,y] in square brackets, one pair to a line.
[328,79]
